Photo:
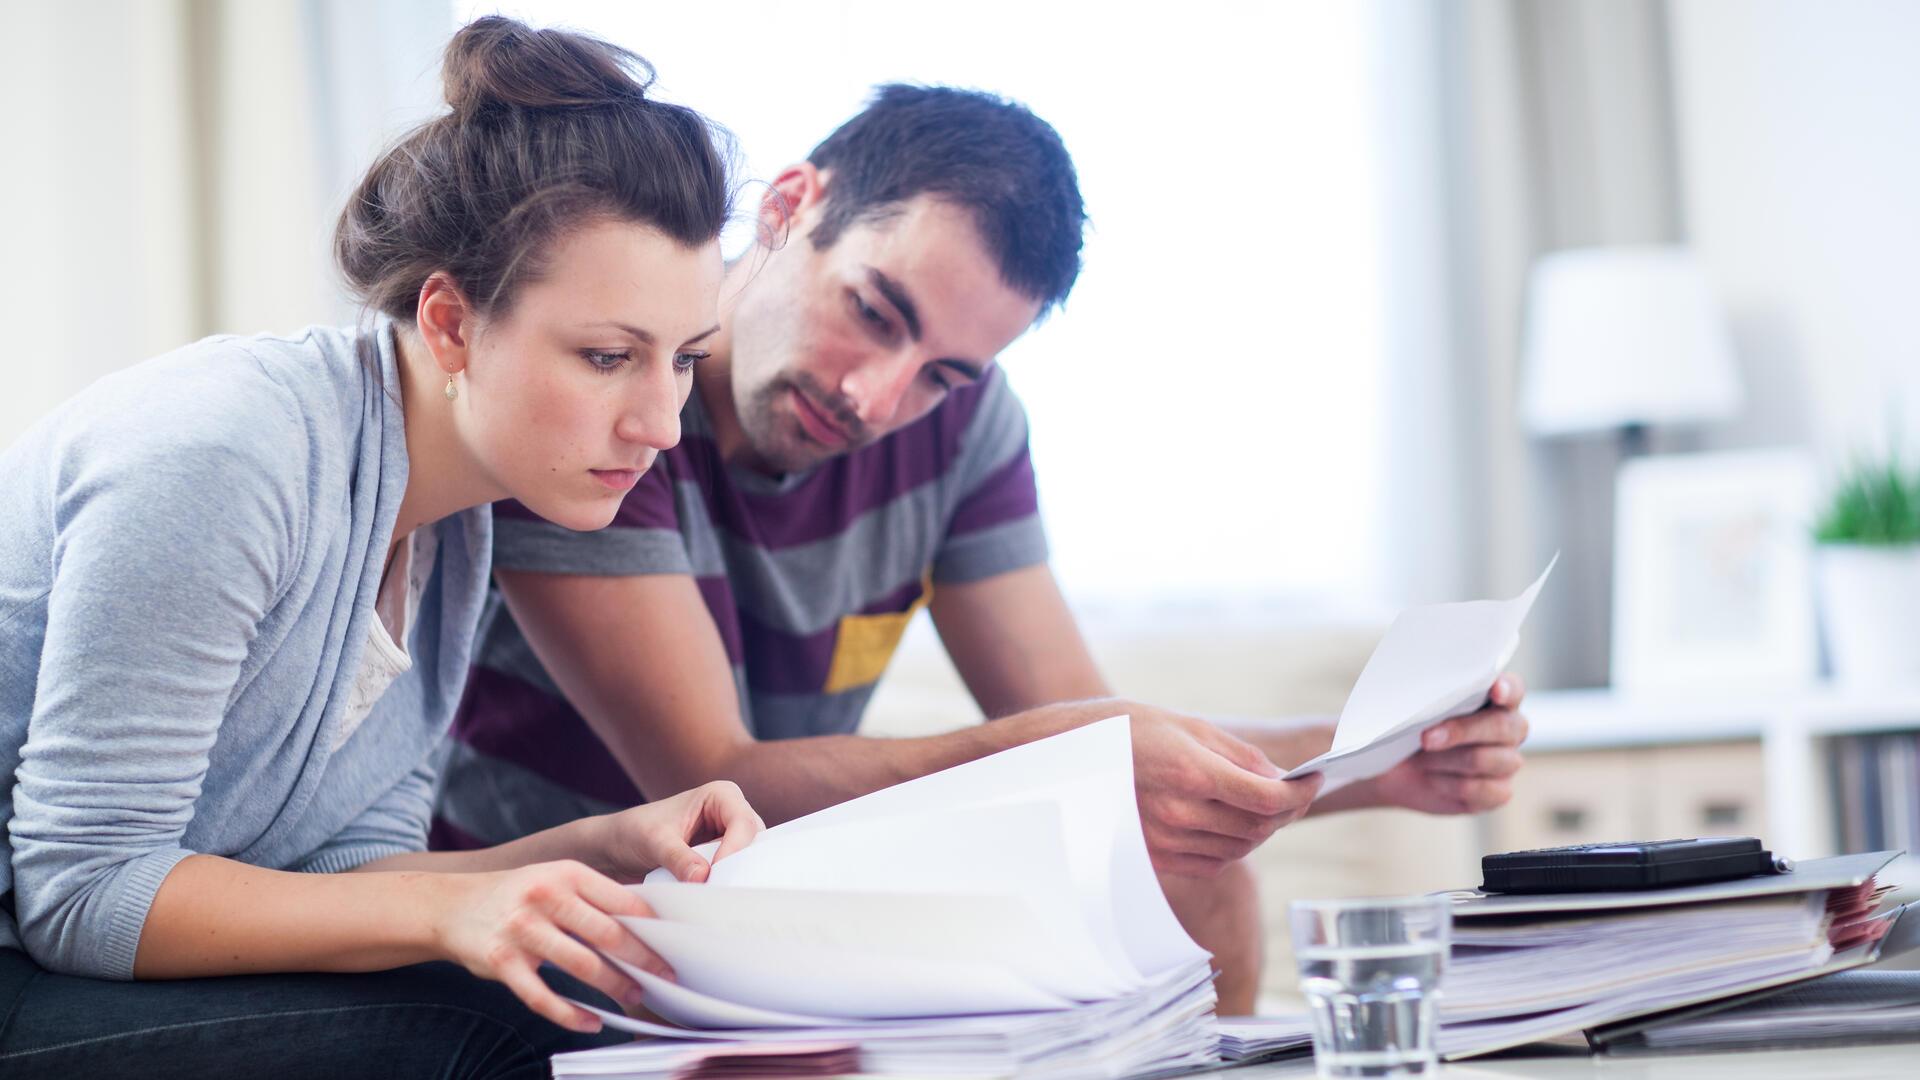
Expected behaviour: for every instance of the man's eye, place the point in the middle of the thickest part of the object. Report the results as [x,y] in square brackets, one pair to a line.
[939,376]
[684,362]
[604,361]
[869,315]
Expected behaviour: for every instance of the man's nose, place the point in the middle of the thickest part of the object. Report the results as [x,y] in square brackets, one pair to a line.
[877,388]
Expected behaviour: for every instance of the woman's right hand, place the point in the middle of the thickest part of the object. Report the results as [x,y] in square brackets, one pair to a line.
[503,924]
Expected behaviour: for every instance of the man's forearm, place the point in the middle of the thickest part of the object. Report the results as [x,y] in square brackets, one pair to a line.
[789,778]
[1359,795]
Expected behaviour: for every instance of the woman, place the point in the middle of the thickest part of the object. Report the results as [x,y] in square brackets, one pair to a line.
[239,585]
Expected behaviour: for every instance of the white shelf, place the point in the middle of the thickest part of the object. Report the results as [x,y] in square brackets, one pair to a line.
[1789,725]
[1588,719]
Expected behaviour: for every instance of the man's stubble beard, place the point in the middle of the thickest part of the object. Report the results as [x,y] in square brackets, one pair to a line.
[777,439]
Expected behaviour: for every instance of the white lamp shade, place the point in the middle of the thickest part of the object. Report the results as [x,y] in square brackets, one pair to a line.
[1622,336]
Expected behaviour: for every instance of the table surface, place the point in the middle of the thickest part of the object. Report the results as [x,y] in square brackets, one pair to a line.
[1837,1063]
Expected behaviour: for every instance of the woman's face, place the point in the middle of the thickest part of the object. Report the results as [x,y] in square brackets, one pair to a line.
[566,400]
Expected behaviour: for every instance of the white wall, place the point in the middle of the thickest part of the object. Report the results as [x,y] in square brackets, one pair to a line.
[1799,131]
[97,267]
[172,168]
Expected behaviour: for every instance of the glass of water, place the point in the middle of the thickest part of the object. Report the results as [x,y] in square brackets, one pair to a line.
[1371,972]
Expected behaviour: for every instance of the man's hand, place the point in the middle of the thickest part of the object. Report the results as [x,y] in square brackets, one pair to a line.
[1206,798]
[1466,765]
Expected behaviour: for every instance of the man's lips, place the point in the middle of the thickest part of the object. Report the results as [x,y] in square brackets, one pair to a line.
[617,479]
[819,426]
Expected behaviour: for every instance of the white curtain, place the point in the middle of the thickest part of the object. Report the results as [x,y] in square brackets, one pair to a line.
[1560,134]
[173,168]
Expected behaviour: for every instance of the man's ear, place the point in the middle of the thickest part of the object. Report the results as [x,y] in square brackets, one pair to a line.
[445,322]
[792,202]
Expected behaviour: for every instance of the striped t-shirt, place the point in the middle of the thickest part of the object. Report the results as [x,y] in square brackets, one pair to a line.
[811,579]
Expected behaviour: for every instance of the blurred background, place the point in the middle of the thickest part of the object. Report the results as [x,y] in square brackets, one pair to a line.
[1385,302]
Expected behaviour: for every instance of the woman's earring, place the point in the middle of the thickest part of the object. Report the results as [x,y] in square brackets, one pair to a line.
[452,390]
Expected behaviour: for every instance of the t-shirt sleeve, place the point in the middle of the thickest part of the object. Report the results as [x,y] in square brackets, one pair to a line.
[644,537]
[995,524]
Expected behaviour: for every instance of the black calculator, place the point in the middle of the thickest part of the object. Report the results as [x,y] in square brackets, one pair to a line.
[1655,864]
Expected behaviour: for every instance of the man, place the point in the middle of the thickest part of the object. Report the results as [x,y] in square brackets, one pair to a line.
[850,454]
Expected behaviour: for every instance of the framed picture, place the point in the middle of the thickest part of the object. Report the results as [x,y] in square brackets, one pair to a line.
[1712,583]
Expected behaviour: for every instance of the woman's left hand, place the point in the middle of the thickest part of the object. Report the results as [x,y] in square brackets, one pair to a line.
[664,832]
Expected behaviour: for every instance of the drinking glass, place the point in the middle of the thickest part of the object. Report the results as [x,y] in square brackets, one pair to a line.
[1371,971]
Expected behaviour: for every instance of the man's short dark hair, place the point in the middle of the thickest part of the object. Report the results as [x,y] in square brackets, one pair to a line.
[985,154]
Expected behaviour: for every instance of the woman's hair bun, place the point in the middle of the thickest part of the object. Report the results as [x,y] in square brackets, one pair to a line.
[503,63]
[549,129]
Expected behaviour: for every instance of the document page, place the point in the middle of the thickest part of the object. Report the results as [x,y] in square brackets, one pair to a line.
[1436,662]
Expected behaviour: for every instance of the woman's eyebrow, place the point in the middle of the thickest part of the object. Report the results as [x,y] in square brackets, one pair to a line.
[641,334]
[645,336]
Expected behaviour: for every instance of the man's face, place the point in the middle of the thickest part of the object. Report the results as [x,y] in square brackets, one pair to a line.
[835,348]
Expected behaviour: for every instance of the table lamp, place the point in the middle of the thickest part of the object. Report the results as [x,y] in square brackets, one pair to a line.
[1622,338]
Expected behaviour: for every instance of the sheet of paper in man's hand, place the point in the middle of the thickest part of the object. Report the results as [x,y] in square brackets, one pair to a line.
[1436,662]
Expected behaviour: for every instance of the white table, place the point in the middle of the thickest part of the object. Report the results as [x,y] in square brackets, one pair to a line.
[1896,1060]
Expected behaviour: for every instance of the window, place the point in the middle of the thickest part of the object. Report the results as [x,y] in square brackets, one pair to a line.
[1206,410]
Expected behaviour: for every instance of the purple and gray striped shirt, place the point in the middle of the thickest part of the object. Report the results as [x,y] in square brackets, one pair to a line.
[810,578]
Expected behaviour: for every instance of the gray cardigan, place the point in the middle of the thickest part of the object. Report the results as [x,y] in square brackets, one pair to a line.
[189,552]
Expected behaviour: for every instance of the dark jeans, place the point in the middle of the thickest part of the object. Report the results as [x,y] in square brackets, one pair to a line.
[430,1020]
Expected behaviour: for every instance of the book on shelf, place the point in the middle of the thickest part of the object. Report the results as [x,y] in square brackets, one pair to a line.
[1876,791]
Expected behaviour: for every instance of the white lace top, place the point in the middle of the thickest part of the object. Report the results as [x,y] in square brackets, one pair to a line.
[397,604]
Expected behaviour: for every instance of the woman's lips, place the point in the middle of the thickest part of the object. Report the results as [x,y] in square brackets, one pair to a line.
[820,427]
[617,479]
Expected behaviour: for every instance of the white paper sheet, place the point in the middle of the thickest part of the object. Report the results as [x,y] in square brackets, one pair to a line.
[1055,955]
[673,1002]
[1436,662]
[769,972]
[1088,774]
[1015,852]
[1162,1035]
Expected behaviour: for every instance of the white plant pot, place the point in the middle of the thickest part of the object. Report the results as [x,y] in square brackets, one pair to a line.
[1870,612]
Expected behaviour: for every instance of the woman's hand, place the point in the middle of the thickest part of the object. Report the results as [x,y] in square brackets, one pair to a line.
[503,924]
[663,833]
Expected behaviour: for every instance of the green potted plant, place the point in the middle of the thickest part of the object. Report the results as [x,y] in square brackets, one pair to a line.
[1869,569]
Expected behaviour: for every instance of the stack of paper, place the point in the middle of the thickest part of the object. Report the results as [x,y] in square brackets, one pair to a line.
[1526,968]
[1263,1038]
[1848,1007]
[998,917]
[1622,966]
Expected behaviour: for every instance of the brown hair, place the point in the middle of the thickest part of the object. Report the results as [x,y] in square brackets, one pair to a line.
[548,129]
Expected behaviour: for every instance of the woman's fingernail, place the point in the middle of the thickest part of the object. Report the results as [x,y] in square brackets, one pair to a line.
[1437,739]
